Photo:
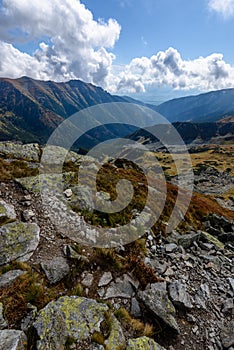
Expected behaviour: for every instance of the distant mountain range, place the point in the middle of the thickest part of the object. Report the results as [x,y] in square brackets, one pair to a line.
[192,133]
[30,109]
[208,107]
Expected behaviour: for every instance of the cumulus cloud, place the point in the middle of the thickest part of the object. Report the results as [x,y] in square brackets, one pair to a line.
[80,46]
[168,69]
[73,45]
[223,7]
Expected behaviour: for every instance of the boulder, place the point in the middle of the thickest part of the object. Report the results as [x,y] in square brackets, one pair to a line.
[156,300]
[227,334]
[74,317]
[9,277]
[188,239]
[7,213]
[55,269]
[179,295]
[18,241]
[29,152]
[143,343]
[12,340]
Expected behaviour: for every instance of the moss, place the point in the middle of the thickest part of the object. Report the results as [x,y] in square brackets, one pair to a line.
[143,343]
[213,240]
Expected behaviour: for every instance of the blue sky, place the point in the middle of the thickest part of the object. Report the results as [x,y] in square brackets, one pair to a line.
[149,49]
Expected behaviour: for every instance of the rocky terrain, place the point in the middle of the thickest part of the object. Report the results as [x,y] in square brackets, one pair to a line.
[159,292]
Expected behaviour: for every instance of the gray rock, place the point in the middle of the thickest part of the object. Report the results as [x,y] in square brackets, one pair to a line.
[171,247]
[187,240]
[12,340]
[228,306]
[179,295]
[68,193]
[29,152]
[231,282]
[121,288]
[105,279]
[71,253]
[156,265]
[202,296]
[3,323]
[95,346]
[7,278]
[18,241]
[87,280]
[143,343]
[156,300]
[82,198]
[7,213]
[227,334]
[74,317]
[28,214]
[135,308]
[55,269]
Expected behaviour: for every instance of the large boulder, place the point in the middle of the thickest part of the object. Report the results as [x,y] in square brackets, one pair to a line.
[156,300]
[18,241]
[7,213]
[143,343]
[72,317]
[30,152]
[12,340]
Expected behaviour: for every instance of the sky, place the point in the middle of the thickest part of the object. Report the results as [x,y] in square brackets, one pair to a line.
[149,49]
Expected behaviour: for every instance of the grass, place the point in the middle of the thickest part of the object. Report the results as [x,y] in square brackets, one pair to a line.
[134,326]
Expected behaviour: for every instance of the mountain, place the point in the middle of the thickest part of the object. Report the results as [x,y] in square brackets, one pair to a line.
[30,109]
[197,133]
[208,107]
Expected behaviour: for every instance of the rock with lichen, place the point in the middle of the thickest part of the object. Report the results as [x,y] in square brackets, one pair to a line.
[74,318]
[143,343]
[7,213]
[18,241]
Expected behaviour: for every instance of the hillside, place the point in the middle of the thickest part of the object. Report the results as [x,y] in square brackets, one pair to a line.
[220,132]
[30,109]
[207,107]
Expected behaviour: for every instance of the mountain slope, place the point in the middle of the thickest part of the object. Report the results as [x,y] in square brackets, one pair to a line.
[30,109]
[208,107]
[217,132]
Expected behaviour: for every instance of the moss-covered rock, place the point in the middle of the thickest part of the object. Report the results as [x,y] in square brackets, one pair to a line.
[30,152]
[211,239]
[143,343]
[68,317]
[55,182]
[7,213]
[116,339]
[18,241]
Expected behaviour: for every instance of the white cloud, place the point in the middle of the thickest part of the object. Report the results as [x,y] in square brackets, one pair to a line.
[223,7]
[168,69]
[80,48]
[79,44]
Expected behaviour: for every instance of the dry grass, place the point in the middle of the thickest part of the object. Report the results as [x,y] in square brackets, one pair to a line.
[134,326]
